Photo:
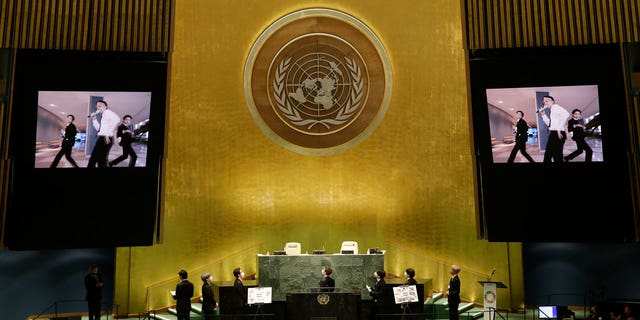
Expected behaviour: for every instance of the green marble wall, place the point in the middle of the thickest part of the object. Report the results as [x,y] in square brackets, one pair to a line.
[301,273]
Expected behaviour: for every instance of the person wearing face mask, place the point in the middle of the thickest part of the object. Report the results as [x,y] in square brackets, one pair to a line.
[239,299]
[410,273]
[327,283]
[93,284]
[376,293]
[209,303]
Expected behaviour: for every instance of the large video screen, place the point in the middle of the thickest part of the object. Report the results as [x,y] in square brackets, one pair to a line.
[86,142]
[519,133]
[551,136]
[69,124]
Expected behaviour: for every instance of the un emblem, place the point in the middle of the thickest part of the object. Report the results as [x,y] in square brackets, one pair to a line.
[317,81]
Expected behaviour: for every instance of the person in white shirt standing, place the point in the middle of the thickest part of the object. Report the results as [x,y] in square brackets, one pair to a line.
[106,128]
[557,122]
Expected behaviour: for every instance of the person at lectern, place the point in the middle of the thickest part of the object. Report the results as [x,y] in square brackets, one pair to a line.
[183,295]
[376,292]
[453,292]
[106,128]
[93,284]
[327,283]
[209,302]
[239,298]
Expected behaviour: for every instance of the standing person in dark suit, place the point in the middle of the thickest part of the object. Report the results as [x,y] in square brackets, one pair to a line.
[184,293]
[106,128]
[93,285]
[125,133]
[521,138]
[410,274]
[576,125]
[413,307]
[327,283]
[453,292]
[209,303]
[68,140]
[377,293]
[239,298]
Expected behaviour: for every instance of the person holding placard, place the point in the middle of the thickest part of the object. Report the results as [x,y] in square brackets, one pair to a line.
[209,303]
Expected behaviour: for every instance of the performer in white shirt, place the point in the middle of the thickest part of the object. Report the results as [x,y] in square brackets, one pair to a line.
[557,122]
[106,128]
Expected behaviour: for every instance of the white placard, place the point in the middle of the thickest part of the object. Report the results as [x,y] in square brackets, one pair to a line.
[405,294]
[257,295]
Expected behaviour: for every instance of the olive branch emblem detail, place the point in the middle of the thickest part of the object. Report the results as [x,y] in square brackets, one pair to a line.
[345,112]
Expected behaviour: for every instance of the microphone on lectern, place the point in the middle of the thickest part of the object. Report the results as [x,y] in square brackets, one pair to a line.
[491,275]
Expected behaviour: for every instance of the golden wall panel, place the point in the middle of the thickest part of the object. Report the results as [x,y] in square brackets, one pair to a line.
[230,192]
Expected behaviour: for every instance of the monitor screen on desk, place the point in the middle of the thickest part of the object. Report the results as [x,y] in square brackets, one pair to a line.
[346,251]
[318,252]
[547,312]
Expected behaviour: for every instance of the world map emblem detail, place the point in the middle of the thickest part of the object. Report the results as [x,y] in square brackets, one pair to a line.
[317,81]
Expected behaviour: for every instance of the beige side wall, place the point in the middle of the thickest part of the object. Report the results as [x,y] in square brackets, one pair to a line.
[230,192]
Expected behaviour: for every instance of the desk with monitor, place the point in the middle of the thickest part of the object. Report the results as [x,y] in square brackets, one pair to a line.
[302,273]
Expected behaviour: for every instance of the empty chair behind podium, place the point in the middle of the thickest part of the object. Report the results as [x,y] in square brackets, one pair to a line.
[292,248]
[349,247]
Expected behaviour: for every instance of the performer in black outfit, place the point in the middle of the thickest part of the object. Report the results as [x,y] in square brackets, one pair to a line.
[93,284]
[209,302]
[453,293]
[576,125]
[184,293]
[376,292]
[327,283]
[413,307]
[521,139]
[125,133]
[239,299]
[68,140]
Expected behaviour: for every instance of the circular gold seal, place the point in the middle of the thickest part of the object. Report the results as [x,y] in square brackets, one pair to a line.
[317,81]
[323,298]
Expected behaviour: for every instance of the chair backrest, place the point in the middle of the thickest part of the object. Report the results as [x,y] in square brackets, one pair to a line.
[293,248]
[349,246]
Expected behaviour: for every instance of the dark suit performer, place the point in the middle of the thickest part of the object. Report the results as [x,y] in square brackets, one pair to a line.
[413,307]
[106,128]
[576,125]
[521,139]
[125,133]
[327,283]
[453,292]
[68,140]
[93,285]
[184,293]
[239,298]
[209,302]
[376,293]
[557,122]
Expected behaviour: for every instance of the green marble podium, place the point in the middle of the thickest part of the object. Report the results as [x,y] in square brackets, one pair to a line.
[302,273]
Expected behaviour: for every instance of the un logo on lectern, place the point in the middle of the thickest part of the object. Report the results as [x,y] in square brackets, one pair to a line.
[317,81]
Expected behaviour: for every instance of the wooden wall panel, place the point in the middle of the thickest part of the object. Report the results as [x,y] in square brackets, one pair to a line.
[98,25]
[535,23]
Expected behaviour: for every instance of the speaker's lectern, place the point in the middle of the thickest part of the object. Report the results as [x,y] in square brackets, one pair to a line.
[490,297]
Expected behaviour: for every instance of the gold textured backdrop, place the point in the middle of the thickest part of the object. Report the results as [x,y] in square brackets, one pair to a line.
[230,192]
